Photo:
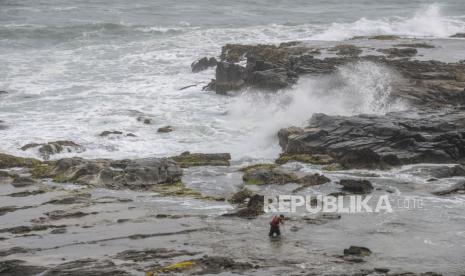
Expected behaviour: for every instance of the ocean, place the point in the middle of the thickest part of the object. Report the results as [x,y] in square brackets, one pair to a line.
[73,69]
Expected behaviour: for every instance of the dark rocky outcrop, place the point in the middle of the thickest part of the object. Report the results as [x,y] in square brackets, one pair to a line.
[138,174]
[267,174]
[357,186]
[50,148]
[253,208]
[203,64]
[357,250]
[370,141]
[457,188]
[187,159]
[311,180]
[273,67]
[229,76]
[165,129]
[241,196]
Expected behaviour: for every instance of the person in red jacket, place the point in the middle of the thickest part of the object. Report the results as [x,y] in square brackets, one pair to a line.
[274,225]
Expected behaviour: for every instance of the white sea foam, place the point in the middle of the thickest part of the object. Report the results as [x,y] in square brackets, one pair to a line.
[427,22]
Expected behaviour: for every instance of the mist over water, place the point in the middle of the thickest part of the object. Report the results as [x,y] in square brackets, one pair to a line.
[75,69]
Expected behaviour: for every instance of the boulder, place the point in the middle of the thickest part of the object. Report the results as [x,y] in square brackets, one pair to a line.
[23,181]
[264,174]
[187,159]
[137,174]
[203,64]
[311,180]
[253,209]
[357,186]
[50,148]
[241,196]
[371,141]
[165,129]
[357,250]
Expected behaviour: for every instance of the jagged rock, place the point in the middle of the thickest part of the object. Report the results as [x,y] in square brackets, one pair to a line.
[262,174]
[165,129]
[253,209]
[138,174]
[311,180]
[357,250]
[399,52]
[273,67]
[358,186]
[187,159]
[457,188]
[50,148]
[229,76]
[241,196]
[371,141]
[203,64]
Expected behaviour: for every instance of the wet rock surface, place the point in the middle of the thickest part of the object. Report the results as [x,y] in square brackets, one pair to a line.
[203,64]
[370,141]
[273,67]
[187,159]
[130,174]
[267,174]
[47,149]
[357,186]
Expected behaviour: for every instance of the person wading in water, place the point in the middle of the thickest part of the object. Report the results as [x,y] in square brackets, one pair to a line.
[274,225]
